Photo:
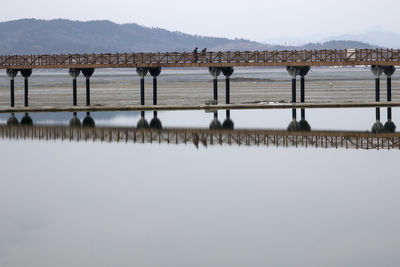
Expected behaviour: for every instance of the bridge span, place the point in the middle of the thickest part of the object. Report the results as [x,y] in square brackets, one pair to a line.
[297,63]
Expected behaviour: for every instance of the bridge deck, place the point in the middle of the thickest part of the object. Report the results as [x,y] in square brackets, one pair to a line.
[349,57]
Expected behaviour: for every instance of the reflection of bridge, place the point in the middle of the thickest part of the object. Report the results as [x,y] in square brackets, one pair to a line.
[323,139]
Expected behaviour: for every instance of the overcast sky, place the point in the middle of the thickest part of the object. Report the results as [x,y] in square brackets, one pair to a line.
[252,19]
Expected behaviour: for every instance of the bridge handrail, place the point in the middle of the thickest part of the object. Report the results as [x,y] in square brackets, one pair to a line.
[289,56]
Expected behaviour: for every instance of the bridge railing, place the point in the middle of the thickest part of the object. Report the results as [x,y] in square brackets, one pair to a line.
[128,59]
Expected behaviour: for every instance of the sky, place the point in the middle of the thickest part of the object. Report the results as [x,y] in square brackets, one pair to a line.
[257,20]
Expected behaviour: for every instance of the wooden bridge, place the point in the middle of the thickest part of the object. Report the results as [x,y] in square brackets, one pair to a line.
[347,57]
[297,63]
[205,137]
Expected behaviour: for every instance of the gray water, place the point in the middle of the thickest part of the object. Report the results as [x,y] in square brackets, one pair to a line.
[125,204]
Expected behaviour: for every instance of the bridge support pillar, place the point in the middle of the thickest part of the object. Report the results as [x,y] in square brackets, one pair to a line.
[227,71]
[389,125]
[87,73]
[26,73]
[293,71]
[377,71]
[12,74]
[74,74]
[155,72]
[142,72]
[303,72]
[215,72]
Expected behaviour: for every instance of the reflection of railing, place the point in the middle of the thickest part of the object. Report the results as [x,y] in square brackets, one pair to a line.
[323,139]
[246,58]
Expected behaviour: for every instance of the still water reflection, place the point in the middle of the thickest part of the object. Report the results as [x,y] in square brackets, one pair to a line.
[129,204]
[335,118]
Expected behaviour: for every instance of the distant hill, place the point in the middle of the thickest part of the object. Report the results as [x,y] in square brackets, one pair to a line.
[31,36]
[382,38]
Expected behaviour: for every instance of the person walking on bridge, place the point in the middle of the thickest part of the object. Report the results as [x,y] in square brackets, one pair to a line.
[203,55]
[195,55]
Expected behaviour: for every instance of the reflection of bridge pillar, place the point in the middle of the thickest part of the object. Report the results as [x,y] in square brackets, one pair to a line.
[75,121]
[142,72]
[215,72]
[88,73]
[11,74]
[12,120]
[155,72]
[293,71]
[303,123]
[26,73]
[377,127]
[155,122]
[142,123]
[88,121]
[293,125]
[215,124]
[74,74]
[228,124]
[26,120]
[227,71]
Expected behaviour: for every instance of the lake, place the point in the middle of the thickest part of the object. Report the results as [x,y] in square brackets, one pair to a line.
[70,203]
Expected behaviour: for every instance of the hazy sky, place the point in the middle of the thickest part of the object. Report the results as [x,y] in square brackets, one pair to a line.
[252,19]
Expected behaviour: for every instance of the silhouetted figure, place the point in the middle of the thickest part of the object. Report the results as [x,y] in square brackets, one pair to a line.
[195,55]
[203,55]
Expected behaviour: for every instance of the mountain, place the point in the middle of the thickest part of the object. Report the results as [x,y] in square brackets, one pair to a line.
[381,38]
[31,36]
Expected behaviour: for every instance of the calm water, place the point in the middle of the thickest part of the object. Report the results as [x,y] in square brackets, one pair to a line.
[125,204]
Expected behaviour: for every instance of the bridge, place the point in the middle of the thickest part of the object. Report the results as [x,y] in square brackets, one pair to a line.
[297,63]
[205,137]
[347,57]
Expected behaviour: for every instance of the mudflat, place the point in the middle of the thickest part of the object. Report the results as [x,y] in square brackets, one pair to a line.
[181,87]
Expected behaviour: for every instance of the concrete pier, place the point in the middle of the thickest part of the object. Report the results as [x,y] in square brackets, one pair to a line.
[215,72]
[142,72]
[155,72]
[12,74]
[227,71]
[26,73]
[88,73]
